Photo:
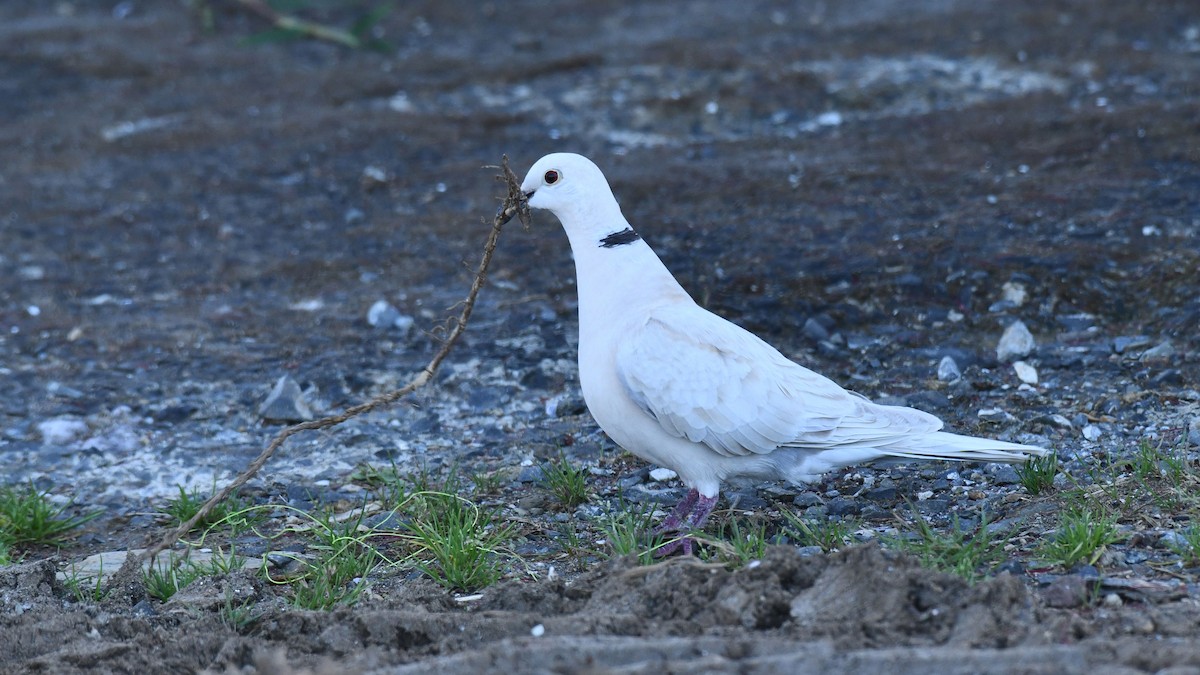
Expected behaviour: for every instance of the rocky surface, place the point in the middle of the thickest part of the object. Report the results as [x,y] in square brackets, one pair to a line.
[190,216]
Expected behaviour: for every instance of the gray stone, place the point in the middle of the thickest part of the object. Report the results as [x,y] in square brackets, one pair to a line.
[995,415]
[1092,432]
[1005,474]
[1055,420]
[807,499]
[840,506]
[1068,591]
[1160,352]
[1016,342]
[948,370]
[285,403]
[814,330]
[383,316]
[1124,343]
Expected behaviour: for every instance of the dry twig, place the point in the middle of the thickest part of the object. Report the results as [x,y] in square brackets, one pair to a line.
[514,205]
[301,26]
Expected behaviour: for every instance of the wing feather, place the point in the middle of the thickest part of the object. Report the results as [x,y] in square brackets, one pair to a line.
[712,382]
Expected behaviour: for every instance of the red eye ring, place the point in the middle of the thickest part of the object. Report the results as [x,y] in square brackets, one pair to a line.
[551,177]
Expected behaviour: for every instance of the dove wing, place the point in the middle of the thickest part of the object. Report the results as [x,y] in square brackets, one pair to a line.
[713,382]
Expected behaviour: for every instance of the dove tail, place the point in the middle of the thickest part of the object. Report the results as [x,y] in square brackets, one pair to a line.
[947,446]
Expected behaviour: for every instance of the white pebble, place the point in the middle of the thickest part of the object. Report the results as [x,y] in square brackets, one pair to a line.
[1092,432]
[1014,292]
[1016,342]
[660,474]
[1025,372]
[948,370]
[538,630]
[61,430]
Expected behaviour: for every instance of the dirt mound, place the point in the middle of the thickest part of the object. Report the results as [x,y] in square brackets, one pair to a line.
[859,609]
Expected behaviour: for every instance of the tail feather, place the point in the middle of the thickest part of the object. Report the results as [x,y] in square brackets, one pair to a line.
[954,447]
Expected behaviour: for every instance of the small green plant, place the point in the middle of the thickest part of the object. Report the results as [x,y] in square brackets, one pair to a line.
[344,559]
[83,588]
[1037,474]
[237,616]
[459,544]
[486,483]
[5,555]
[969,555]
[233,511]
[29,517]
[737,544]
[567,483]
[225,561]
[1081,536]
[631,531]
[165,578]
[830,535]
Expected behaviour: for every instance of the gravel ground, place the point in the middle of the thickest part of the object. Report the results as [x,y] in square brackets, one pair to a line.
[887,191]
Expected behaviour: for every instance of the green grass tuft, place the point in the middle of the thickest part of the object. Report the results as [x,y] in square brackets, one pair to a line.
[567,483]
[1081,536]
[1037,474]
[968,555]
[830,535]
[29,517]
[459,544]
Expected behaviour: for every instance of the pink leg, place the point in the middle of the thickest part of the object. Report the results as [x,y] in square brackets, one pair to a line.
[691,514]
[679,516]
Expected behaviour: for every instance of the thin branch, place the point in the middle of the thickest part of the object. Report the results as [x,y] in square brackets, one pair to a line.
[514,205]
[298,25]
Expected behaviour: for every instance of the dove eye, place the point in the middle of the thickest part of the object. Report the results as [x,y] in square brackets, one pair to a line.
[551,177]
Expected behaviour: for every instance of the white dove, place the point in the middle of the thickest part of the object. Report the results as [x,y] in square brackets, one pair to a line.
[686,389]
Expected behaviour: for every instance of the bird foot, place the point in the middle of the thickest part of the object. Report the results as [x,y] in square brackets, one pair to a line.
[689,515]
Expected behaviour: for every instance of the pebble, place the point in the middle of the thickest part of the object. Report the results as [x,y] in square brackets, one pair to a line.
[1016,342]
[1005,474]
[383,315]
[1124,343]
[285,403]
[1067,591]
[807,499]
[1025,372]
[948,370]
[1055,420]
[995,415]
[61,430]
[814,330]
[1014,293]
[841,506]
[1092,432]
[1159,352]
[1173,540]
[662,474]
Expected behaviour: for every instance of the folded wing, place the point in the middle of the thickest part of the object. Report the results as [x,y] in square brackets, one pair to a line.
[713,382]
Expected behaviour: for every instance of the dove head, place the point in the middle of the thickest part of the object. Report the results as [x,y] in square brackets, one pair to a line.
[573,188]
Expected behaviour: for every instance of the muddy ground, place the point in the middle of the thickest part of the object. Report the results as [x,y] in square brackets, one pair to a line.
[191,209]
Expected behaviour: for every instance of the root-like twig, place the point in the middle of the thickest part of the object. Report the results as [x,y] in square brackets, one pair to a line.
[514,205]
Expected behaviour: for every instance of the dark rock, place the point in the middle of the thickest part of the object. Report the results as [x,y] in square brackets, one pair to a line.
[814,330]
[1068,591]
[807,499]
[882,494]
[1126,342]
[1006,474]
[841,506]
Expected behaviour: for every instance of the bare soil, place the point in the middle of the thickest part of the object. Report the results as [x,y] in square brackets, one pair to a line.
[189,211]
